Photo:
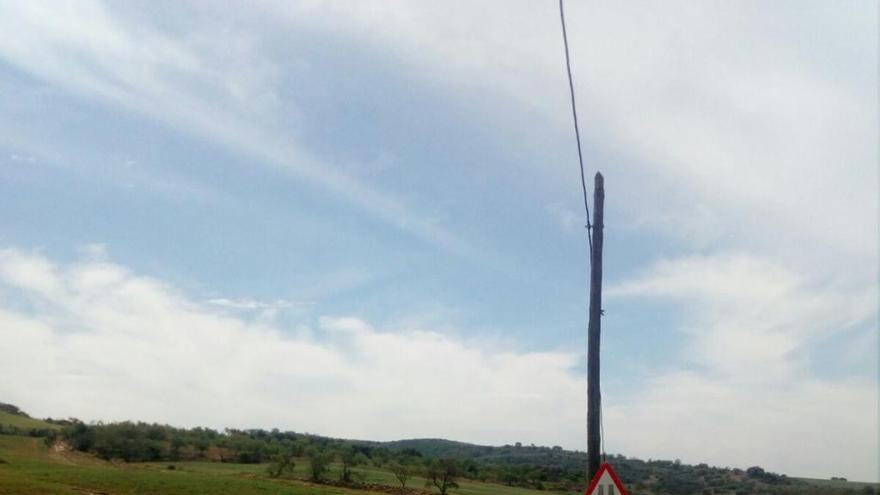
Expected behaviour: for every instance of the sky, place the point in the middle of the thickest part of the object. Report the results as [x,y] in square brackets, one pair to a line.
[364,220]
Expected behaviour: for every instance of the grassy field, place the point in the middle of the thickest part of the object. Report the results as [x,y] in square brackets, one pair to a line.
[24,422]
[28,466]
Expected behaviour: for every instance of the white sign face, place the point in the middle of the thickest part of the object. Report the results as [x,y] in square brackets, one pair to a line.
[606,482]
[605,486]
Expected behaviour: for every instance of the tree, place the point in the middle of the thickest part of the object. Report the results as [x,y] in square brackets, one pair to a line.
[755,472]
[442,473]
[281,464]
[318,461]
[402,472]
[508,475]
[380,456]
[350,458]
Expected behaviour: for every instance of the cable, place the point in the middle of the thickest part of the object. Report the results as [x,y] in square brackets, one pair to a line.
[577,132]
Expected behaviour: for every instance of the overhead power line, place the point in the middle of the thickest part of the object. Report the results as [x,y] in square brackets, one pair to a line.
[577,132]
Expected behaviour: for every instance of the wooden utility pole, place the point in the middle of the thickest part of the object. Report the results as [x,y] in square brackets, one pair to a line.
[594,398]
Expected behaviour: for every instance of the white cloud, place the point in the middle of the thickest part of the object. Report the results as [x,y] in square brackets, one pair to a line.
[812,428]
[109,344]
[31,273]
[752,315]
[750,383]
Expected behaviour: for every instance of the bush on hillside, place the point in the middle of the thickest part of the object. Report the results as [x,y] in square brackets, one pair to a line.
[9,408]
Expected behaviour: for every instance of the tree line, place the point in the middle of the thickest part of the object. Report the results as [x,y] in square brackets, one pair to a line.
[147,442]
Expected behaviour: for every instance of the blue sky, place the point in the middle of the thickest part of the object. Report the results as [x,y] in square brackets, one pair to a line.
[334,216]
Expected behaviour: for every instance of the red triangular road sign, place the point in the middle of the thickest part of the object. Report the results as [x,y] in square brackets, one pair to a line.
[606,482]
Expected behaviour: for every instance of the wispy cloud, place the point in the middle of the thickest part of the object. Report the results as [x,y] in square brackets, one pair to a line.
[569,220]
[254,304]
[736,109]
[196,87]
[22,158]
[265,311]
[689,117]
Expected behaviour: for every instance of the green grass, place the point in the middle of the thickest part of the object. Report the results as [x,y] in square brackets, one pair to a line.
[32,468]
[379,476]
[24,422]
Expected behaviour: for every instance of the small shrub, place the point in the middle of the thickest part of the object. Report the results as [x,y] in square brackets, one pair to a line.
[318,462]
[281,464]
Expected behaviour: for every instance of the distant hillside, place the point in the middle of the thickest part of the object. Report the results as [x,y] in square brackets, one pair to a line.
[13,419]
